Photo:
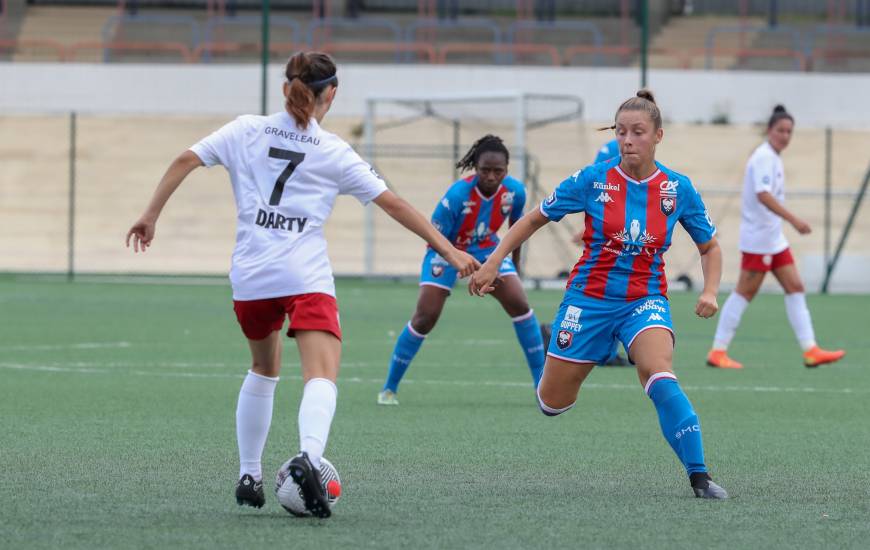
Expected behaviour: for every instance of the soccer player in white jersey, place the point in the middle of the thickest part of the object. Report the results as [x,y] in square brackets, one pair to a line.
[286,172]
[765,248]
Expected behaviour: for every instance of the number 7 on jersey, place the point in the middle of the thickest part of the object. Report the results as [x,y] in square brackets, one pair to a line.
[295,160]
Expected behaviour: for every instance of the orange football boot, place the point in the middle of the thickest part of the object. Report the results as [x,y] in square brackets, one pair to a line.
[719,358]
[816,356]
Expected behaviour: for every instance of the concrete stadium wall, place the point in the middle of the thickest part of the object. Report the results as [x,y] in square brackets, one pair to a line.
[817,100]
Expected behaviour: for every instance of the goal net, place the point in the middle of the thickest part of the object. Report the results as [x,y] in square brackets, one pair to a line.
[414,142]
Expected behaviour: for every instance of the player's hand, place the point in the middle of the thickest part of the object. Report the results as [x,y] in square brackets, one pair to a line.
[707,305]
[802,227]
[484,280]
[465,263]
[142,233]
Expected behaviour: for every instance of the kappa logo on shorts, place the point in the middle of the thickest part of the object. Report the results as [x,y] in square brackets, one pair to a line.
[564,339]
[655,317]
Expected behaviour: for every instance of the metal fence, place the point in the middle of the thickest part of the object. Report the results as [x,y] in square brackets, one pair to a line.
[70,192]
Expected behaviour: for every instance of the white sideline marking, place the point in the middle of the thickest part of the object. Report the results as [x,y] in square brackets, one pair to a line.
[82,345]
[357,380]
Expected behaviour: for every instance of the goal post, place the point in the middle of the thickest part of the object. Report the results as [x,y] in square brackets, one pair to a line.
[430,133]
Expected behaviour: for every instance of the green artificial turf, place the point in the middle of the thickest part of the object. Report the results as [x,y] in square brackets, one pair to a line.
[118,404]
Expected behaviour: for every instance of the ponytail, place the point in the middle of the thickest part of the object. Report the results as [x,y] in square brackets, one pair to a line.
[308,75]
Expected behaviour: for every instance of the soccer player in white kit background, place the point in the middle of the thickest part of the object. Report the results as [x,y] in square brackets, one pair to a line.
[765,248]
[286,172]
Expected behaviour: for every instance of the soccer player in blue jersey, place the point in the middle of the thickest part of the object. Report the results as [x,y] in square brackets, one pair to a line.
[618,289]
[470,215]
[609,150]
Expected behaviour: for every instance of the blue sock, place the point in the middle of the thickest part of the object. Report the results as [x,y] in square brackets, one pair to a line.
[407,345]
[529,334]
[678,421]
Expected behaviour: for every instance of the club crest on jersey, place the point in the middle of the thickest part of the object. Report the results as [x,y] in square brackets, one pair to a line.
[668,205]
[563,340]
[507,202]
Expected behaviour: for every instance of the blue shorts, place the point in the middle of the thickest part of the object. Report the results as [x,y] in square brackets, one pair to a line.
[437,272]
[586,329]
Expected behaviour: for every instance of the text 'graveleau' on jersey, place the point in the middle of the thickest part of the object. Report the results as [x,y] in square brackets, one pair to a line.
[471,221]
[628,227]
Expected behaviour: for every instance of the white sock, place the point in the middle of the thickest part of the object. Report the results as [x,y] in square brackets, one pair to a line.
[315,417]
[253,418]
[729,320]
[799,317]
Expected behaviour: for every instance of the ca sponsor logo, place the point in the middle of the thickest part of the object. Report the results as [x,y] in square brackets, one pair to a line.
[563,339]
[604,197]
[687,430]
[669,187]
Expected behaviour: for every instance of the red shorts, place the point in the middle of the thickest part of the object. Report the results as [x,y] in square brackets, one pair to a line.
[260,318]
[766,262]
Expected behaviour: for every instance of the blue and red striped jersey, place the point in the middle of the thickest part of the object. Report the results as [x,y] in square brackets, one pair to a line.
[471,221]
[629,225]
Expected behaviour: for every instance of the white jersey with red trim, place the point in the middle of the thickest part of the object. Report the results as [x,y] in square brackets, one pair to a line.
[285,181]
[761,229]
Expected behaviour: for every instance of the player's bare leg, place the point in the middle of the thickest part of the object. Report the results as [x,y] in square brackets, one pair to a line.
[652,350]
[254,417]
[748,285]
[560,385]
[430,304]
[799,317]
[512,297]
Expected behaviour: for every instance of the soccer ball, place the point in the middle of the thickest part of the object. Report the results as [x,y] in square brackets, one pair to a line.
[290,494]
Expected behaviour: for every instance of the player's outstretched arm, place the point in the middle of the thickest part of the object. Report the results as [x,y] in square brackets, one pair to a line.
[399,209]
[481,283]
[780,210]
[142,232]
[711,265]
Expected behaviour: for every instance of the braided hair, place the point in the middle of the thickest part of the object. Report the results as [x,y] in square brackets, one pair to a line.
[486,144]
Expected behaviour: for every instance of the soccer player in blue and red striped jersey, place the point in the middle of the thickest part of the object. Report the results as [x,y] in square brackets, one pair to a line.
[618,289]
[470,215]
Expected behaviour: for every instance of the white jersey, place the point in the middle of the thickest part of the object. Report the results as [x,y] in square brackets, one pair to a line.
[761,229]
[285,181]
